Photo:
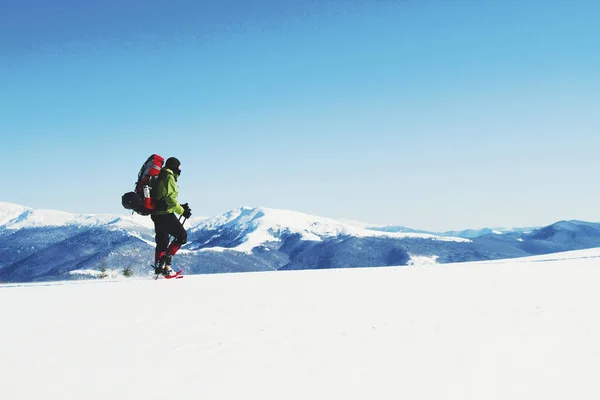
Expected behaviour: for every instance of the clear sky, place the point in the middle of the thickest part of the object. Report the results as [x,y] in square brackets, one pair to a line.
[430,114]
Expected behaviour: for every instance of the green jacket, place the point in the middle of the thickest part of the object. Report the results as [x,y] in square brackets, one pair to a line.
[165,191]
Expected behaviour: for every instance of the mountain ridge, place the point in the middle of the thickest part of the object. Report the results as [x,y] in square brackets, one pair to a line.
[47,245]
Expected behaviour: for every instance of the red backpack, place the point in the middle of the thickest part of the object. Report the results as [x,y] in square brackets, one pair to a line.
[140,201]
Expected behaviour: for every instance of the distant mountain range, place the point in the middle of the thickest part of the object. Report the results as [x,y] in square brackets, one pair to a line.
[467,233]
[42,245]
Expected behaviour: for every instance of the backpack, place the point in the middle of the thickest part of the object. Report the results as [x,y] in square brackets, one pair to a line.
[140,200]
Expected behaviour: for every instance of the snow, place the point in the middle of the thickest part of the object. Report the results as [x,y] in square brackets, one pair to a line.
[355,223]
[10,211]
[422,260]
[89,273]
[512,329]
[265,225]
[215,249]
[14,217]
[587,254]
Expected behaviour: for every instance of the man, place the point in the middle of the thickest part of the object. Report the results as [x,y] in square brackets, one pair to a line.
[165,191]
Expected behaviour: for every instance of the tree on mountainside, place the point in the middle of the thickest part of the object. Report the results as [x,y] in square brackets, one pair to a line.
[103,273]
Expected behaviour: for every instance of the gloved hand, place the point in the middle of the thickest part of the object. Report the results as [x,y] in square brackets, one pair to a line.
[187,211]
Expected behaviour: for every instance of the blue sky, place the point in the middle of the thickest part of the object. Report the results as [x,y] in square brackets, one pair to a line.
[430,114]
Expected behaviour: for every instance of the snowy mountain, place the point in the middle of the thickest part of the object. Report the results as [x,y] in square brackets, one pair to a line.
[517,329]
[249,228]
[281,239]
[474,233]
[49,245]
[466,233]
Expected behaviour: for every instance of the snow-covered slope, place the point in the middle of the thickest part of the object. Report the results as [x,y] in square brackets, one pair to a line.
[260,226]
[10,211]
[14,217]
[522,329]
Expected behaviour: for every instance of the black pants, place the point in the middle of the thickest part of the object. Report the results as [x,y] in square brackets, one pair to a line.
[166,225]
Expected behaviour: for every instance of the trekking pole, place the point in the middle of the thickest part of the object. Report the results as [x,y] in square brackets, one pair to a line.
[180,229]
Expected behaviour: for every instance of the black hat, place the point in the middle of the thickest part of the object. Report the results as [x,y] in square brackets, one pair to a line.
[172,163]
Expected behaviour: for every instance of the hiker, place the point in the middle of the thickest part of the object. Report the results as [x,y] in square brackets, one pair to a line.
[165,190]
